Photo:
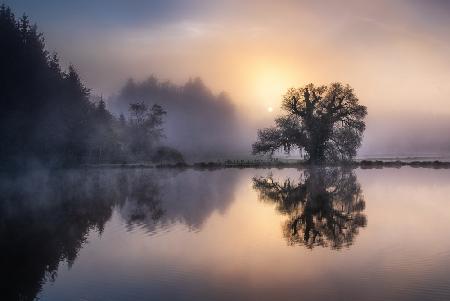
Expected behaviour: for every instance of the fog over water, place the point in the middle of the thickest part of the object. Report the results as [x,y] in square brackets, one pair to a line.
[240,234]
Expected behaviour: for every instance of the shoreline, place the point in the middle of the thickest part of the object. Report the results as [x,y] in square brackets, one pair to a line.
[363,164]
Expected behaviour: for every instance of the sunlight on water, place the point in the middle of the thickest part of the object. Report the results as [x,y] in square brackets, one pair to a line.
[231,234]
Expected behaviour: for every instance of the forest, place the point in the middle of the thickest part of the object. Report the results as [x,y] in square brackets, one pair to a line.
[50,118]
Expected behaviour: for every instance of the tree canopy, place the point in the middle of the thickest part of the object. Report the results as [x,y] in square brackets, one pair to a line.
[326,122]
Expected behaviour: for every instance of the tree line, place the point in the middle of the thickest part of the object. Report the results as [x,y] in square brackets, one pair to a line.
[200,122]
[49,116]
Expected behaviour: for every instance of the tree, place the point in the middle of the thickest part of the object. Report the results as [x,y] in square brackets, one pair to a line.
[104,138]
[145,129]
[327,122]
[45,112]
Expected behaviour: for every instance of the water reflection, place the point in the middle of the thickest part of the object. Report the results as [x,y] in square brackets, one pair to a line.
[206,235]
[324,207]
[45,217]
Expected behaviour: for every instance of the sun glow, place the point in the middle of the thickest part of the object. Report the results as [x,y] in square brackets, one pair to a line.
[269,82]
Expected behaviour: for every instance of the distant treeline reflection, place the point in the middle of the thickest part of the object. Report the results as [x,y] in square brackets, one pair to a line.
[324,207]
[45,218]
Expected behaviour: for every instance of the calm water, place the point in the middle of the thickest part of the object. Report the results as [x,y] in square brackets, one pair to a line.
[230,234]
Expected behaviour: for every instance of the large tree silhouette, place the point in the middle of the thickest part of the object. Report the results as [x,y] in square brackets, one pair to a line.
[324,208]
[327,122]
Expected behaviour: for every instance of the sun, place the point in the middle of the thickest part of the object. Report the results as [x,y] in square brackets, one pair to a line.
[268,81]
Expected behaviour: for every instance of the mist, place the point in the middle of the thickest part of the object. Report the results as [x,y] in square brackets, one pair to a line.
[203,124]
[199,123]
[397,63]
[47,216]
[410,134]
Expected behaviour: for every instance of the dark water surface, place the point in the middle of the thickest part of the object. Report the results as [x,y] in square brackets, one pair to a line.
[229,234]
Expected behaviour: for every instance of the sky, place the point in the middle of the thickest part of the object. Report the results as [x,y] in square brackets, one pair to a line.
[395,54]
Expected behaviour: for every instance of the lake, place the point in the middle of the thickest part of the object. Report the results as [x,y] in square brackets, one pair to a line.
[226,234]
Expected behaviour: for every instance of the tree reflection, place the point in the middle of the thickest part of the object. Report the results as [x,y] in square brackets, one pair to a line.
[45,218]
[324,207]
